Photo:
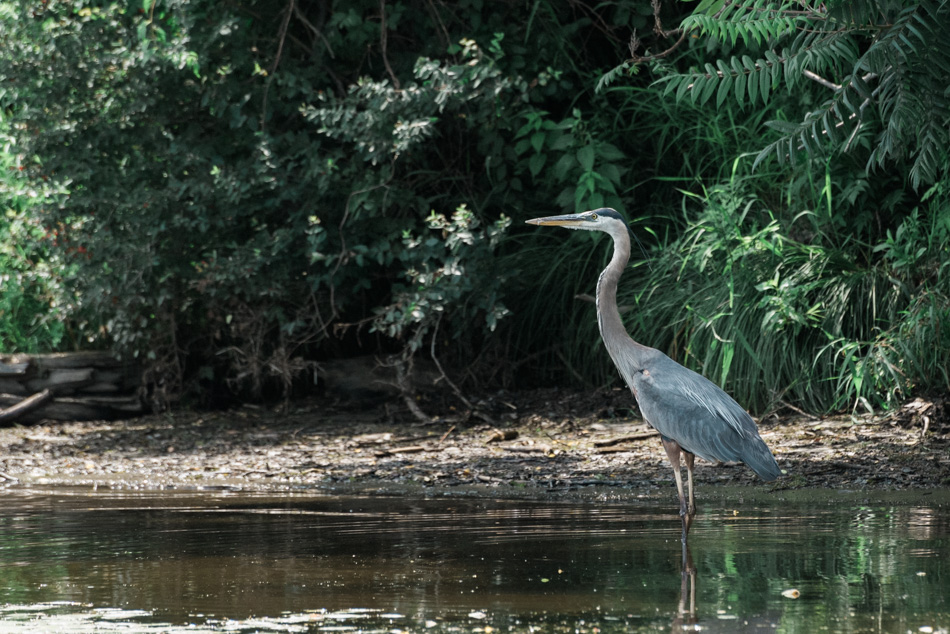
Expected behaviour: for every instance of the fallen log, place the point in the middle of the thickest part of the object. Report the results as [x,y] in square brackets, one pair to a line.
[76,408]
[25,406]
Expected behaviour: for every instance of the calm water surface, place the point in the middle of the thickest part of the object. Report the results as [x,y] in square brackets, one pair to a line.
[81,561]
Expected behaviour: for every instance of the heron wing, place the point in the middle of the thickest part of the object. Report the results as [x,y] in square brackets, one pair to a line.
[692,410]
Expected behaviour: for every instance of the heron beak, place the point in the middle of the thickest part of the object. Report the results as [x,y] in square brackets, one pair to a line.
[570,221]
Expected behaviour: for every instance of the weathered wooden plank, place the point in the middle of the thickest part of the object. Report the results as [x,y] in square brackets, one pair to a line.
[73,360]
[19,388]
[9,369]
[116,376]
[126,379]
[122,402]
[62,381]
[100,387]
[12,386]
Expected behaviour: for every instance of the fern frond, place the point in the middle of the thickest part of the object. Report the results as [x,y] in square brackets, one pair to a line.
[753,78]
[890,97]
[911,62]
[611,75]
[754,22]
[818,51]
[832,53]
[820,133]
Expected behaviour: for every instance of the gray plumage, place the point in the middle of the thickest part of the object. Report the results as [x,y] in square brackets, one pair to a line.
[689,408]
[692,414]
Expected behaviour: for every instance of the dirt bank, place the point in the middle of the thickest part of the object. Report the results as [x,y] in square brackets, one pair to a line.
[539,443]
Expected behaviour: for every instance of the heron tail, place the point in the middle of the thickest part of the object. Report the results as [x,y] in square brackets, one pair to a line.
[761,460]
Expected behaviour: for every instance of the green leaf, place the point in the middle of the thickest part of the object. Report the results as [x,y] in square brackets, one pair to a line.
[536,163]
[708,87]
[752,85]
[560,142]
[610,152]
[585,156]
[537,140]
[765,84]
[563,166]
[686,83]
[740,82]
[725,87]
[611,172]
[709,6]
[530,126]
[728,350]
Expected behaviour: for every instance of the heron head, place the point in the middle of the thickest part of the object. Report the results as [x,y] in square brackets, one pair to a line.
[605,219]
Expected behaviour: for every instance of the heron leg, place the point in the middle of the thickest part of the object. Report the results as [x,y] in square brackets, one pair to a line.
[673,452]
[688,458]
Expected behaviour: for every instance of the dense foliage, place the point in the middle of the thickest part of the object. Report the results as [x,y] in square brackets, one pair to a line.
[838,291]
[234,191]
[34,308]
[238,184]
[885,64]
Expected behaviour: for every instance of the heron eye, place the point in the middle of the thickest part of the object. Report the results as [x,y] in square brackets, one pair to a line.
[593,216]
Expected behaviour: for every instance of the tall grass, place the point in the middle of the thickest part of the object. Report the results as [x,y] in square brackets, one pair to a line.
[554,270]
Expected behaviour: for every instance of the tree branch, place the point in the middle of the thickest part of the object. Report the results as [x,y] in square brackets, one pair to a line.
[821,80]
[281,37]
[634,45]
[382,43]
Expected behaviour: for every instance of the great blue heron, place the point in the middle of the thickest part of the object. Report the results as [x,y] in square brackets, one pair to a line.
[693,415]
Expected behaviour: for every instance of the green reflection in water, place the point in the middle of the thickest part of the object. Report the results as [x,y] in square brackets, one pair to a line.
[86,561]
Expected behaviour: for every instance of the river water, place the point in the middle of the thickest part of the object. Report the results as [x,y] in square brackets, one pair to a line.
[76,560]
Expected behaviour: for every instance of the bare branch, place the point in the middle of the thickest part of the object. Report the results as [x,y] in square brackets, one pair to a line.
[821,80]
[634,45]
[458,392]
[382,43]
[281,37]
[315,30]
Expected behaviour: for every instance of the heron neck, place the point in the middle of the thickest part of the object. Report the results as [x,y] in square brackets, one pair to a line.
[611,326]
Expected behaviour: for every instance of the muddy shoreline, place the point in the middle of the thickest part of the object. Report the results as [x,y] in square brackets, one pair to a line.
[544,444]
